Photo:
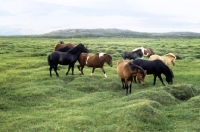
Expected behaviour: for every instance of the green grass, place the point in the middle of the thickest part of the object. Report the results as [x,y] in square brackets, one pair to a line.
[30,100]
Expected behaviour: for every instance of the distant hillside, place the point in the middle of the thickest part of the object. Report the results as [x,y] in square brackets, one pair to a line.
[117,33]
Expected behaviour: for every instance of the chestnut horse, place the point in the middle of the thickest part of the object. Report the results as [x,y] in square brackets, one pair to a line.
[146,51]
[61,44]
[94,61]
[167,59]
[127,70]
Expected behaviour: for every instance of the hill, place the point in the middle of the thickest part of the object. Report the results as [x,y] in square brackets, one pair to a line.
[75,33]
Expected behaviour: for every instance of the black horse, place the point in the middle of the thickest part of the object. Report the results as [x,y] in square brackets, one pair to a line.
[133,54]
[155,67]
[65,58]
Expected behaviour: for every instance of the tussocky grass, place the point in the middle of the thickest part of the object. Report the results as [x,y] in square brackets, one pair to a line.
[30,100]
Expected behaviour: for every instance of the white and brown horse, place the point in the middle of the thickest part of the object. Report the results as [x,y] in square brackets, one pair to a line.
[167,59]
[146,51]
[94,61]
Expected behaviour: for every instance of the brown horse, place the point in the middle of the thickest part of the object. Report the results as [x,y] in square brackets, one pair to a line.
[127,70]
[61,44]
[146,51]
[94,61]
[167,59]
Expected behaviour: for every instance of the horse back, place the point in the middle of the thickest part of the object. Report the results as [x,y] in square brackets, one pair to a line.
[155,57]
[120,68]
[153,66]
[124,70]
[93,61]
[59,45]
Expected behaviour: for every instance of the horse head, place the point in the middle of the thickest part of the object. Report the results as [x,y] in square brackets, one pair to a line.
[169,77]
[106,58]
[141,73]
[82,48]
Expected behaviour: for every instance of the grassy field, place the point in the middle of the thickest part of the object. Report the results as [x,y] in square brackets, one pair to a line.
[30,100]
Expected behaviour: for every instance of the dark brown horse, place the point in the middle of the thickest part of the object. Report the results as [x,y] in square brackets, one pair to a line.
[94,61]
[126,71]
[62,44]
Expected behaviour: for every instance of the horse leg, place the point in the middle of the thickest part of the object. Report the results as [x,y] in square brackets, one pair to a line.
[78,66]
[135,79]
[130,87]
[82,70]
[173,62]
[126,86]
[55,69]
[160,77]
[69,67]
[50,71]
[103,71]
[72,69]
[122,80]
[92,71]
[154,82]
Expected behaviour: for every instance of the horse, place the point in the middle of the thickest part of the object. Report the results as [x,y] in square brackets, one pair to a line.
[64,49]
[145,51]
[126,70]
[95,61]
[62,44]
[167,59]
[156,67]
[65,58]
[132,55]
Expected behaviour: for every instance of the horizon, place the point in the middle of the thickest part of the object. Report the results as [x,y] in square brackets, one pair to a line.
[36,17]
[98,29]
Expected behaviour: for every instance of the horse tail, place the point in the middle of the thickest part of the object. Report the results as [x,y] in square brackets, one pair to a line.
[49,61]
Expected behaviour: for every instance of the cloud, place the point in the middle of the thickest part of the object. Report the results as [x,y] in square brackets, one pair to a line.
[41,16]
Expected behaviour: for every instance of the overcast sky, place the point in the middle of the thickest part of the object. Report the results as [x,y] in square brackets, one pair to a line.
[28,17]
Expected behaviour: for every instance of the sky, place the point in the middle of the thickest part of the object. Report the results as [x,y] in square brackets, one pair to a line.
[34,17]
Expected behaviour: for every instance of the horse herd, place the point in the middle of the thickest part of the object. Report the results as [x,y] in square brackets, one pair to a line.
[68,54]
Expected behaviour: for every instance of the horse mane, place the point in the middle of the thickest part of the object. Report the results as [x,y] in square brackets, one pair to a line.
[133,66]
[74,50]
[141,48]
[171,54]
[61,42]
[152,50]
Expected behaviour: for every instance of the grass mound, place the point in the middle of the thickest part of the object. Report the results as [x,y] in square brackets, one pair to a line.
[160,96]
[181,92]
